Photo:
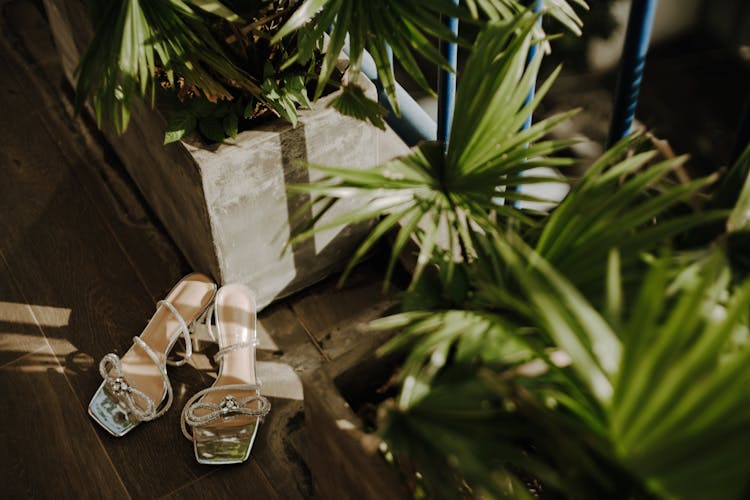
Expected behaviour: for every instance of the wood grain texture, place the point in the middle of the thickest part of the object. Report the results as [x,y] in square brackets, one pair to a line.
[63,250]
[94,165]
[288,341]
[49,448]
[235,481]
[340,454]
[343,458]
[327,306]
[82,263]
[20,334]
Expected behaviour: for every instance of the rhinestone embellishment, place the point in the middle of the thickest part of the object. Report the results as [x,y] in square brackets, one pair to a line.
[119,386]
[229,404]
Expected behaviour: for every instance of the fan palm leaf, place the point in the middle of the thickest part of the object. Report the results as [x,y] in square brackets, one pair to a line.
[403,27]
[670,375]
[131,37]
[434,189]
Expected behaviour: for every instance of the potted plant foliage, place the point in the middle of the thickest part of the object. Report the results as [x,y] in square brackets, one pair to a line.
[242,91]
[598,350]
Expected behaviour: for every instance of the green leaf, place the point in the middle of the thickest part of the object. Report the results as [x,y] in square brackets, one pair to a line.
[295,88]
[456,197]
[353,102]
[217,9]
[230,125]
[202,107]
[301,16]
[739,220]
[212,129]
[133,38]
[180,124]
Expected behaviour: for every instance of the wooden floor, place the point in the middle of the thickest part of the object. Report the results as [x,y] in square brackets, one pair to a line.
[82,263]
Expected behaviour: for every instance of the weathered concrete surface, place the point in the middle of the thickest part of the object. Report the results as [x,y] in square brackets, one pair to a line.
[226,206]
[245,184]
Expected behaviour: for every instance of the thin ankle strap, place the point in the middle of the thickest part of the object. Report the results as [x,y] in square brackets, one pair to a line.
[234,347]
[120,389]
[184,330]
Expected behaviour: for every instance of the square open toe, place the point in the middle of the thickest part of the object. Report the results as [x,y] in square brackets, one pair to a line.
[224,444]
[136,386]
[222,420]
[109,414]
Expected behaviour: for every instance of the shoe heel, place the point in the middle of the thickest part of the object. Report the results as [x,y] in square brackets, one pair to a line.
[200,330]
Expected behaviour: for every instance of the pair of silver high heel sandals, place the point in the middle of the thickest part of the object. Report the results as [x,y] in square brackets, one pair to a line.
[222,420]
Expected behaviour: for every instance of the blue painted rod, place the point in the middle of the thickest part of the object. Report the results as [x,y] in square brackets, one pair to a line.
[536,7]
[532,53]
[414,125]
[634,51]
[447,83]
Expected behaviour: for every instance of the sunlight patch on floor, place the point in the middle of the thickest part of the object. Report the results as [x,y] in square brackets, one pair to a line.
[46,315]
[279,380]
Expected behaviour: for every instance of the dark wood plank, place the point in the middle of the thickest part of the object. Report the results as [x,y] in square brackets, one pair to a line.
[20,333]
[336,317]
[49,448]
[99,172]
[65,256]
[275,451]
[81,241]
[282,338]
[275,468]
[326,307]
[234,481]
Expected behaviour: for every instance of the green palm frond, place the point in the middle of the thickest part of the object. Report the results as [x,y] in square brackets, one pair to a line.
[132,37]
[560,10]
[736,192]
[670,375]
[353,102]
[431,192]
[486,136]
[682,390]
[619,197]
[460,439]
[436,338]
[404,27]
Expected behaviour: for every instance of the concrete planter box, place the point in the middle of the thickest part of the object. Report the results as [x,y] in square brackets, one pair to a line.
[226,205]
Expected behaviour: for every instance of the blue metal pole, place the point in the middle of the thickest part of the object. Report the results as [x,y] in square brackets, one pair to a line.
[537,7]
[447,83]
[414,125]
[634,51]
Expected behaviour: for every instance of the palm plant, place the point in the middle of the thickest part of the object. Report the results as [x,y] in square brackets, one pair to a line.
[593,351]
[596,350]
[645,398]
[458,186]
[224,64]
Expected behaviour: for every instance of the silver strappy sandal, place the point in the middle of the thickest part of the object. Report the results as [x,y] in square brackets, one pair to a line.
[222,421]
[136,387]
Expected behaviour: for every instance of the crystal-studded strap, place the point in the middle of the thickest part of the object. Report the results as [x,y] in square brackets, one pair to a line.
[162,369]
[229,406]
[234,347]
[184,330]
[118,388]
[209,321]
